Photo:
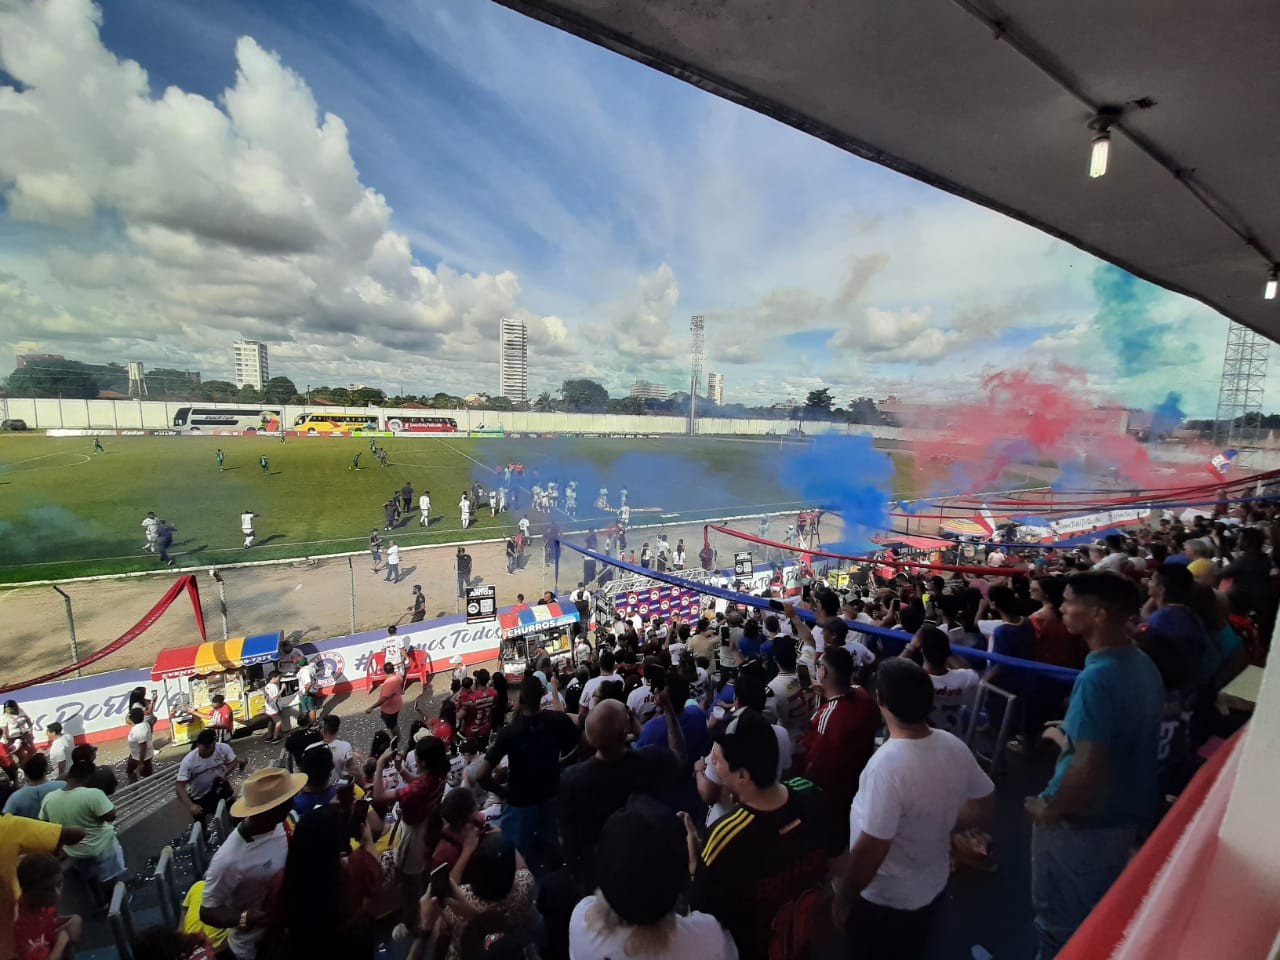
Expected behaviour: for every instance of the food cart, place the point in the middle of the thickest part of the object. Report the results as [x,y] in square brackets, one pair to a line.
[527,628]
[234,668]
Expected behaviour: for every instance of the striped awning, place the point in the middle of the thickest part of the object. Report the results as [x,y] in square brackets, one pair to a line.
[217,656]
[535,618]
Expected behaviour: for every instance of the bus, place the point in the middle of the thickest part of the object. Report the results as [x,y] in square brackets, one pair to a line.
[417,424]
[316,423]
[214,420]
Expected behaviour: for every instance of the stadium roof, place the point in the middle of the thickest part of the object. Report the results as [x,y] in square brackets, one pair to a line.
[995,105]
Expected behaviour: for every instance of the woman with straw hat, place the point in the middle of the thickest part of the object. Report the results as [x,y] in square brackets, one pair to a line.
[240,873]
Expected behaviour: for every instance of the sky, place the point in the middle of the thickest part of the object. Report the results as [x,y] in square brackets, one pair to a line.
[368,187]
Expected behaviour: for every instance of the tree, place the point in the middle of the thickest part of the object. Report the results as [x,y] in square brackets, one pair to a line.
[818,401]
[54,378]
[165,384]
[363,396]
[216,391]
[499,403]
[626,405]
[544,403]
[279,390]
[248,394]
[583,395]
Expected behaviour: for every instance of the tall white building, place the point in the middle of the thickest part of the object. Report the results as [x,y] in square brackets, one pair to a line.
[513,360]
[251,364]
[649,391]
[715,387]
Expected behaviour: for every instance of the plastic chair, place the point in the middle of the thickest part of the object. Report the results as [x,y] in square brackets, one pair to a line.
[222,816]
[199,849]
[992,761]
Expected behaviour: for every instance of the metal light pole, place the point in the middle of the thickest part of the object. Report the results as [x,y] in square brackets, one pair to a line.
[351,572]
[71,628]
[222,602]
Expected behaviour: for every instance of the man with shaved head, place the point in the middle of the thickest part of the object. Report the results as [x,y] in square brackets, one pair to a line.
[595,788]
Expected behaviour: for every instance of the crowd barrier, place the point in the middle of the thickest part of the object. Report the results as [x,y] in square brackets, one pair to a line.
[896,637]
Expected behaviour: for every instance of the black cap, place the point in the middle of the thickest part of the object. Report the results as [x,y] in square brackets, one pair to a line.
[641,861]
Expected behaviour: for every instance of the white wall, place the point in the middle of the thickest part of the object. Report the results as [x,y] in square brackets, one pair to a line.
[46,414]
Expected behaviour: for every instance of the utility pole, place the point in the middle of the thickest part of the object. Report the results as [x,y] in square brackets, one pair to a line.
[695,374]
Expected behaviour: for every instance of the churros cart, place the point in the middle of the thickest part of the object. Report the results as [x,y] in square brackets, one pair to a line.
[533,627]
[235,668]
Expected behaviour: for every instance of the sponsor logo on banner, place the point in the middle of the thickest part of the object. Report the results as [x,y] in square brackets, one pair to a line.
[131,433]
[331,667]
[643,610]
[655,593]
[158,433]
[633,598]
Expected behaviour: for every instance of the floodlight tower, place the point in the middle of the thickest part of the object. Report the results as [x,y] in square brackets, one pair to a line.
[695,377]
[1240,391]
[137,380]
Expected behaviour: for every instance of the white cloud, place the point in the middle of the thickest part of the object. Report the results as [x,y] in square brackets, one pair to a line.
[245,218]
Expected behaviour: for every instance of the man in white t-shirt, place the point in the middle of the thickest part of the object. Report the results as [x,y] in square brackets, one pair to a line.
[341,749]
[916,790]
[246,527]
[393,648]
[60,747]
[142,749]
[271,707]
[464,507]
[953,690]
[643,700]
[788,704]
[239,876]
[151,531]
[424,509]
[1115,560]
[203,775]
[591,690]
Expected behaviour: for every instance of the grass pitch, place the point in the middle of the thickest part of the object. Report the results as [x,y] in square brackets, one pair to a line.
[66,511]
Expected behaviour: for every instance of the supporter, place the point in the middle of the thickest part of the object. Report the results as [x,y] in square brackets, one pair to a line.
[1224,656]
[340,750]
[390,700]
[788,703]
[1200,561]
[762,866]
[953,690]
[458,814]
[490,882]
[1113,556]
[591,691]
[203,775]
[1250,574]
[239,876]
[532,745]
[141,746]
[643,700]
[1172,622]
[419,801]
[501,701]
[222,721]
[704,641]
[17,730]
[319,790]
[915,791]
[301,738]
[593,790]
[98,854]
[39,932]
[1104,788]
[1054,642]
[19,837]
[60,747]
[319,901]
[644,869]
[25,801]
[841,738]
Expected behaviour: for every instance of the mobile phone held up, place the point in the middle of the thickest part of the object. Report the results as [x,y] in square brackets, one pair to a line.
[440,886]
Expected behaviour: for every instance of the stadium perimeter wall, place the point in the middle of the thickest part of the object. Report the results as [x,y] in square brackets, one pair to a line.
[56,414]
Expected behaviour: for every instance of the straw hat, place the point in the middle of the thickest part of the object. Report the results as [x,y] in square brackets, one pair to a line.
[266,789]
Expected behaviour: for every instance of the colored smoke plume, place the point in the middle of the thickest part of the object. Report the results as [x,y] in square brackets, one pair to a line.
[1168,416]
[848,475]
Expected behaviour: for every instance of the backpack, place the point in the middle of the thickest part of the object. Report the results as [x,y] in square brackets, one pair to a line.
[801,923]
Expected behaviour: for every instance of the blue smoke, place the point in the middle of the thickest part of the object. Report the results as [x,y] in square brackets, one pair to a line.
[846,475]
[1168,416]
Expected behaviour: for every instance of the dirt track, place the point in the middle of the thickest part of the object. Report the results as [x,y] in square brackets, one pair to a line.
[306,599]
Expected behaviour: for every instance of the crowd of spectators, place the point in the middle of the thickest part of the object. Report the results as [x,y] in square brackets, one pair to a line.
[778,778]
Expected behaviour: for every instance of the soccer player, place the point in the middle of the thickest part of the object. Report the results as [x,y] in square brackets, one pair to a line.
[424,509]
[97,446]
[246,527]
[464,505]
[265,464]
[221,458]
[355,462]
[373,445]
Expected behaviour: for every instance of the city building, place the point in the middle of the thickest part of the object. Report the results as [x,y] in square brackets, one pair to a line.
[649,391]
[715,387]
[513,360]
[251,364]
[25,358]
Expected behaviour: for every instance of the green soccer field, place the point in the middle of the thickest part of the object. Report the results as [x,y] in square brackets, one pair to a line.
[68,512]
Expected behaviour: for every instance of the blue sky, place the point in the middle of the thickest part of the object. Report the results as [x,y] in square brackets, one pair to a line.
[369,186]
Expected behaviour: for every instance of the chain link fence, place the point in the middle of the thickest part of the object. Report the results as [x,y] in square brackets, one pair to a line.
[309,599]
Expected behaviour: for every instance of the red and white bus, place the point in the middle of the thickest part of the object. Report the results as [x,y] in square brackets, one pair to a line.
[400,423]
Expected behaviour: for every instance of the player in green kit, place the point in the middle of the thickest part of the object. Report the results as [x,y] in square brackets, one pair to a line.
[221,458]
[265,464]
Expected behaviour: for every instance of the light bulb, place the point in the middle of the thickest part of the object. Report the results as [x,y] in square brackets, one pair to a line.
[1099,154]
[1269,291]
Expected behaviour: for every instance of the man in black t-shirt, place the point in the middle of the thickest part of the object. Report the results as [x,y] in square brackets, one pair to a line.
[592,790]
[761,870]
[533,744]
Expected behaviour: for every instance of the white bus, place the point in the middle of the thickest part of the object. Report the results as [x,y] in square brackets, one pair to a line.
[214,420]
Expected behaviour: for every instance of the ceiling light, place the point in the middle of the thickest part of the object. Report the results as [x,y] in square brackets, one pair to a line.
[1269,291]
[1100,152]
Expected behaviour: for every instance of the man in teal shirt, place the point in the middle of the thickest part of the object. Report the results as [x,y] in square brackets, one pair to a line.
[1104,790]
